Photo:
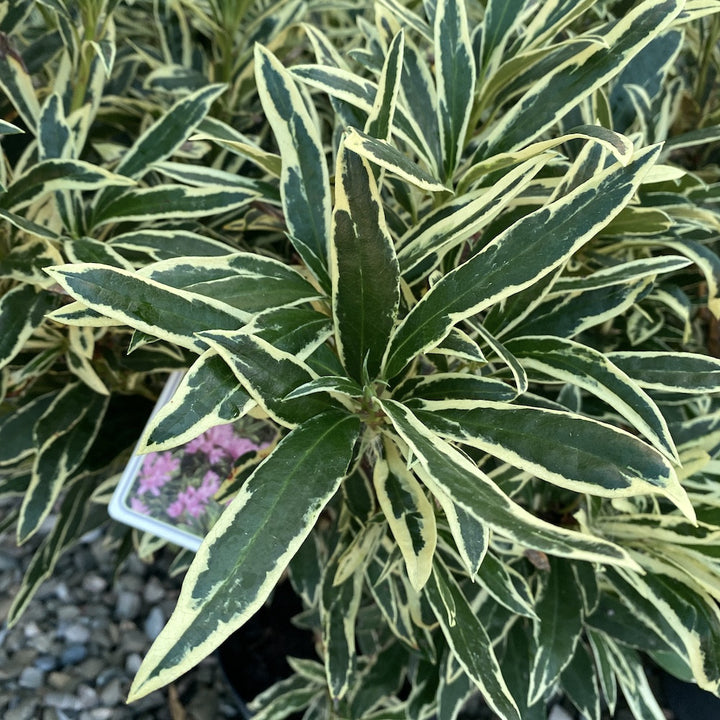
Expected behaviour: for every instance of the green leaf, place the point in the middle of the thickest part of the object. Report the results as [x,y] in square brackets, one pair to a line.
[171,201]
[385,155]
[145,305]
[363,269]
[409,514]
[449,474]
[269,375]
[560,612]
[249,547]
[455,71]
[469,641]
[516,258]
[304,181]
[568,450]
[569,83]
[60,453]
[379,123]
[51,175]
[591,370]
[579,681]
[166,244]
[670,372]
[251,283]
[17,429]
[209,394]
[22,310]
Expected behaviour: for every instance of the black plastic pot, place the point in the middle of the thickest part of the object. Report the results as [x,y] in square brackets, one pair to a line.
[254,657]
[688,701]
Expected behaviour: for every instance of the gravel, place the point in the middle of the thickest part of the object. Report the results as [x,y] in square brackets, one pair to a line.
[74,652]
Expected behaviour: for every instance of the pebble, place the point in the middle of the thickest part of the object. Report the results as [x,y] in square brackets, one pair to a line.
[132,663]
[154,623]
[84,635]
[93,583]
[153,592]
[112,693]
[73,654]
[26,710]
[46,663]
[128,605]
[76,633]
[31,677]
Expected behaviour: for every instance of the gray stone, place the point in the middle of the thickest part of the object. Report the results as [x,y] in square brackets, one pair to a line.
[128,605]
[91,668]
[154,623]
[132,663]
[26,710]
[63,701]
[61,681]
[134,641]
[73,654]
[76,633]
[68,612]
[112,693]
[93,583]
[46,663]
[62,593]
[31,677]
[88,696]
[153,592]
[31,630]
[100,714]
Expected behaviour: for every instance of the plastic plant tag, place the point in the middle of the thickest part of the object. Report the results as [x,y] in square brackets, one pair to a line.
[178,494]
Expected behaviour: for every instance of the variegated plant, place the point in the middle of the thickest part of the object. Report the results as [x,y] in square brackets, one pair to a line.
[486,354]
[97,166]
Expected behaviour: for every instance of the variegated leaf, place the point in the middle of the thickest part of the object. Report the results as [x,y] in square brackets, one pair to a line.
[385,155]
[148,306]
[469,641]
[363,269]
[51,175]
[455,71]
[557,632]
[572,81]
[22,310]
[380,121]
[442,468]
[459,219]
[591,370]
[17,429]
[670,372]
[60,453]
[246,281]
[305,184]
[166,244]
[568,450]
[409,514]
[516,258]
[209,394]
[261,530]
[171,201]
[269,375]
